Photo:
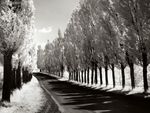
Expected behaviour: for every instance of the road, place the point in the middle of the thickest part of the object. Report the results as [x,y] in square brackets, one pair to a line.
[72,98]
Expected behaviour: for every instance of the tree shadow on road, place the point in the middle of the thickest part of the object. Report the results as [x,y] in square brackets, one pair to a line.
[88,99]
[84,98]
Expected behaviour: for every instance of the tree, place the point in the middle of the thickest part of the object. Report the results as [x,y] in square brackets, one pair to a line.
[120,29]
[13,30]
[135,14]
[104,34]
[47,63]
[60,46]
[40,58]
[70,49]
[87,25]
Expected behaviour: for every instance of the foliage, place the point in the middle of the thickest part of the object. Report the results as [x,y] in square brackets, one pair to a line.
[104,33]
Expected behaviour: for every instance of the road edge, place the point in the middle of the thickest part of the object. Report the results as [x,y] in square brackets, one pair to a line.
[60,108]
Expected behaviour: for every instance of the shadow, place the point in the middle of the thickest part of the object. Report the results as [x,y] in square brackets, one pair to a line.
[41,76]
[84,98]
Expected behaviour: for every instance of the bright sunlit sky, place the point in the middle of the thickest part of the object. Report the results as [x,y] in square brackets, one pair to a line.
[50,15]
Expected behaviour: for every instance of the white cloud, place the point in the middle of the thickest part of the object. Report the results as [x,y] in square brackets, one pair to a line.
[45,30]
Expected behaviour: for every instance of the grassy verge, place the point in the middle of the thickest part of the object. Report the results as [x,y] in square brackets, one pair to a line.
[50,105]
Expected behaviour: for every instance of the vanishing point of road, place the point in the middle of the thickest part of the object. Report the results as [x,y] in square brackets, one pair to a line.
[72,98]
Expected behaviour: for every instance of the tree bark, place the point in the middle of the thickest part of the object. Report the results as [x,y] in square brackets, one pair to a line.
[113,75]
[62,70]
[85,75]
[100,72]
[23,75]
[145,81]
[18,76]
[13,80]
[69,75]
[123,75]
[96,74]
[79,76]
[106,75]
[132,75]
[92,75]
[74,75]
[82,76]
[131,65]
[88,73]
[106,68]
[7,77]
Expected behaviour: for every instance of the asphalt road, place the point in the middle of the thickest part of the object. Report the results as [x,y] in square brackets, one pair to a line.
[72,98]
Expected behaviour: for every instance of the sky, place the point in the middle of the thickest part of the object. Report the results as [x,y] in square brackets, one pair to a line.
[51,15]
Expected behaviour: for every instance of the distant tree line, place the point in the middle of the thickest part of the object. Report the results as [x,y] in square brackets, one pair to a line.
[102,34]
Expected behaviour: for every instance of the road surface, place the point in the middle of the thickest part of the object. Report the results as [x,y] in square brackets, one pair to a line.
[72,98]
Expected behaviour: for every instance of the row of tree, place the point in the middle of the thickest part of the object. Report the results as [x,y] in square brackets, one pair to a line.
[51,59]
[19,77]
[102,34]
[16,26]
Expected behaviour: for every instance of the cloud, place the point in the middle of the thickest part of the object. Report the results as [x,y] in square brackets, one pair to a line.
[45,30]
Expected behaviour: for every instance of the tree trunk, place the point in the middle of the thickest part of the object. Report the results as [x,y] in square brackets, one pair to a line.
[61,73]
[82,76]
[100,72]
[18,76]
[132,75]
[131,65]
[106,62]
[23,76]
[58,73]
[85,75]
[145,82]
[113,75]
[62,70]
[88,73]
[106,75]
[96,73]
[79,76]
[74,75]
[92,75]
[7,75]
[123,75]
[69,75]
[13,80]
